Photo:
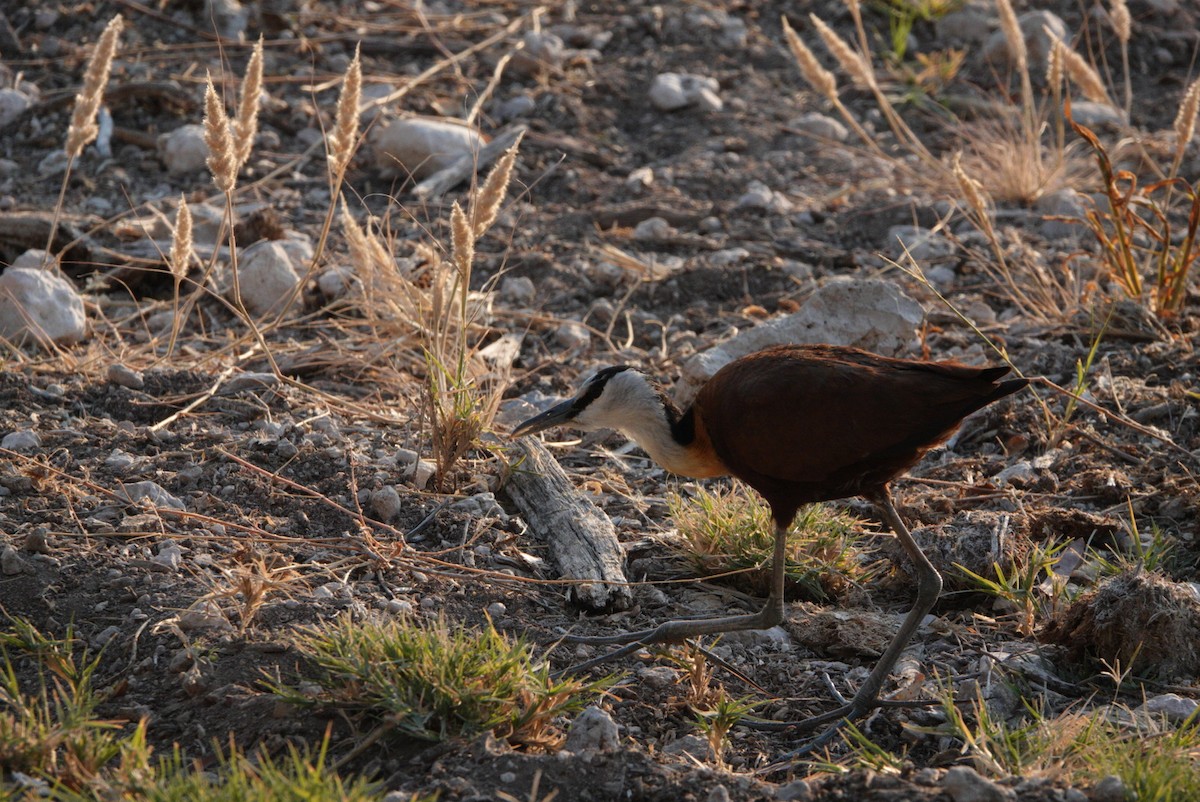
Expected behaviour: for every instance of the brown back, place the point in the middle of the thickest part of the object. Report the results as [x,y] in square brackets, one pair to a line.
[810,423]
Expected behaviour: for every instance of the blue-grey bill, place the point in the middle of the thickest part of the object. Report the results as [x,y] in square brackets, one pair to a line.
[556,415]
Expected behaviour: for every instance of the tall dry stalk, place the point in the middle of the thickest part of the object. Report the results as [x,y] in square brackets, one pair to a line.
[461,403]
[1054,82]
[1122,23]
[822,80]
[83,128]
[1014,38]
[343,139]
[180,260]
[858,66]
[218,136]
[1082,74]
[1185,124]
[245,125]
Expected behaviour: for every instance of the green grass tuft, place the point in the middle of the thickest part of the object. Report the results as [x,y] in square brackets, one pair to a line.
[729,531]
[431,681]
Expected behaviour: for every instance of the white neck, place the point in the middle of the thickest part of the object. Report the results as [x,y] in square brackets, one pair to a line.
[632,406]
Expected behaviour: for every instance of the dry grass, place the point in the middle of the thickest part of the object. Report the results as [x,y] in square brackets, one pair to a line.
[245,125]
[218,136]
[1005,158]
[83,128]
[343,139]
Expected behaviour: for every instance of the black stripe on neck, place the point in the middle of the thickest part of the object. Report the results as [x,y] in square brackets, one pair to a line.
[683,424]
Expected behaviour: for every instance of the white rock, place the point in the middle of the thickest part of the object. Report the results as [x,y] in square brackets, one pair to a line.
[267,277]
[1174,707]
[652,228]
[170,555]
[873,314]
[183,150]
[1110,789]
[795,791]
[1067,203]
[1040,29]
[693,747]
[572,336]
[23,441]
[518,290]
[673,90]
[921,244]
[515,108]
[230,16]
[420,146]
[153,493]
[481,505]
[204,614]
[125,376]
[299,249]
[729,256]
[12,105]
[543,51]
[593,732]
[41,304]
[11,562]
[970,24]
[385,503]
[337,282]
[249,382]
[822,126]
[759,196]
[1097,116]
[963,784]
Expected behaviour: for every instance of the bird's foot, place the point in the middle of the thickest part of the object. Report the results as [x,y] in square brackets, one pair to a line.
[831,722]
[675,631]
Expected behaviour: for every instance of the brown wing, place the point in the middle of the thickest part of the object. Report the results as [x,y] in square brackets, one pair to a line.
[817,414]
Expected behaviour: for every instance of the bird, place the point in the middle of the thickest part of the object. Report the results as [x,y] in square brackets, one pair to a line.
[799,424]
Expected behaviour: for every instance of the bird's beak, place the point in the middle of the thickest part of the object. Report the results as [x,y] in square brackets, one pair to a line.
[556,415]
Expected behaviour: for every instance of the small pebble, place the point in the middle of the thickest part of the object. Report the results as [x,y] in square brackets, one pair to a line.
[125,376]
[11,562]
[22,442]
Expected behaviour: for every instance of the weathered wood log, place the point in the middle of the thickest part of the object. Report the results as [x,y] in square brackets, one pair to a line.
[582,540]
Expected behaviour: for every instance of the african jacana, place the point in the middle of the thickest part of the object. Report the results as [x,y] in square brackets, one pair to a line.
[799,424]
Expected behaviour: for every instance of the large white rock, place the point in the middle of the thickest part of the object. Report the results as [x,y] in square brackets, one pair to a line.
[183,150]
[673,90]
[1040,29]
[39,303]
[12,105]
[873,314]
[420,146]
[267,277]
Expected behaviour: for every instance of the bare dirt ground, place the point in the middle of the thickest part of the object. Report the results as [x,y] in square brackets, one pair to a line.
[282,476]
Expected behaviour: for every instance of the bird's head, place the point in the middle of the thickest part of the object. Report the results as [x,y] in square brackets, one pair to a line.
[610,399]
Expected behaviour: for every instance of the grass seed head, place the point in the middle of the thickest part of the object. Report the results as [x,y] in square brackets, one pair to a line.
[1083,75]
[1054,66]
[246,126]
[818,77]
[222,157]
[854,65]
[181,243]
[83,128]
[462,244]
[491,194]
[1185,120]
[1012,34]
[345,127]
[1122,22]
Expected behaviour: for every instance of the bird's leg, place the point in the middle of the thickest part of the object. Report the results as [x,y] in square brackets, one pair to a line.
[929,587]
[674,631]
